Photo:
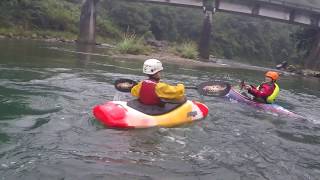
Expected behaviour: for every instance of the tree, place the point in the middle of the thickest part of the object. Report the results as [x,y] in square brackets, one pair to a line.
[128,16]
[307,43]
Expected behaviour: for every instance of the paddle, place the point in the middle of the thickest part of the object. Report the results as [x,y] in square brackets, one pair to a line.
[210,88]
[244,92]
[242,84]
[124,85]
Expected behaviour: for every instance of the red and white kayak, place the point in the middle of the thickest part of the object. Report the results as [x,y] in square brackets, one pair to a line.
[132,114]
[273,108]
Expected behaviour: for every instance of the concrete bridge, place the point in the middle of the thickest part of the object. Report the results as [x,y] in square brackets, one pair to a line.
[286,11]
[303,12]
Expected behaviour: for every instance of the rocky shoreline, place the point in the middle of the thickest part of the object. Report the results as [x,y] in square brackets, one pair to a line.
[36,37]
[284,66]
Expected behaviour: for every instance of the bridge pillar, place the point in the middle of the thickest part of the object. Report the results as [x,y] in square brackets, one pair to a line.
[204,43]
[88,22]
[313,60]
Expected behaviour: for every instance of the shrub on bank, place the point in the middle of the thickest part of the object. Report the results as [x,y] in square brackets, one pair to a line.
[188,49]
[130,44]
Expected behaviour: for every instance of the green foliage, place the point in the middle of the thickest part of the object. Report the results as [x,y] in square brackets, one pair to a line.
[188,49]
[59,15]
[163,23]
[130,44]
[234,37]
[256,41]
[304,38]
[166,23]
[127,15]
[106,28]
[175,24]
[47,16]
[253,40]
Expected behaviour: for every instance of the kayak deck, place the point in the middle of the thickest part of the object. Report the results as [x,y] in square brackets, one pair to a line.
[119,115]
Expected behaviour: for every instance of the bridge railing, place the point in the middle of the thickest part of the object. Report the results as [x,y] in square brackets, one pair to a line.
[276,2]
[293,5]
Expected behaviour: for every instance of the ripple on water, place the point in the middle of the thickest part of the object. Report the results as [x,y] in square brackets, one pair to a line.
[47,130]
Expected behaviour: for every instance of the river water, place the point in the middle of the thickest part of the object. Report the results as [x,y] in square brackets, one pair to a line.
[47,130]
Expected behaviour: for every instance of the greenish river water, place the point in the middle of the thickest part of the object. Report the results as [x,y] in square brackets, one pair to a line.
[47,130]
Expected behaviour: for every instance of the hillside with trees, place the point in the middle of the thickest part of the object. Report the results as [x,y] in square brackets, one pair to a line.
[243,38]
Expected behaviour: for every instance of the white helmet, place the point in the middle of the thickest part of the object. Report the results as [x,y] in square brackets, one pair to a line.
[152,66]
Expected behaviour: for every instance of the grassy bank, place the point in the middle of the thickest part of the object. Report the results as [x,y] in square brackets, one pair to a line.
[188,49]
[36,34]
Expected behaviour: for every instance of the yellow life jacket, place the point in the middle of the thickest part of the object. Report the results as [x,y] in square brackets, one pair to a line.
[270,99]
[274,95]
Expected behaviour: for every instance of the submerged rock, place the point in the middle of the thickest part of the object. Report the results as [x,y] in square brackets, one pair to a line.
[311,73]
[282,66]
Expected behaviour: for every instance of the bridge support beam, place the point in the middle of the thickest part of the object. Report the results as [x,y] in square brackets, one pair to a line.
[313,60]
[204,44]
[88,22]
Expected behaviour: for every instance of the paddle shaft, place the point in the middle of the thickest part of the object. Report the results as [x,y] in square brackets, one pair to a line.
[191,87]
[209,88]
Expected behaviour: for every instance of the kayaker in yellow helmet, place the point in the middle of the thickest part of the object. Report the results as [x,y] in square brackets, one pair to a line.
[268,91]
[153,92]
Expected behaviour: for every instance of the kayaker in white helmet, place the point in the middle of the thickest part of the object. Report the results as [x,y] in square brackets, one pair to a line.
[153,92]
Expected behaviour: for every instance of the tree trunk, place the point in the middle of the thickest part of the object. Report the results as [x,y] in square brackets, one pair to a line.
[205,36]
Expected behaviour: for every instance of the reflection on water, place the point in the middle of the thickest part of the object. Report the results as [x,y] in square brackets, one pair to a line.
[84,59]
[47,130]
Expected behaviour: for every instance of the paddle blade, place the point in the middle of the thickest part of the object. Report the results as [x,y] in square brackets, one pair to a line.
[124,85]
[215,88]
[242,84]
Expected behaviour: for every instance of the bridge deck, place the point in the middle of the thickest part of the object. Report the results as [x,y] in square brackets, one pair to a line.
[308,5]
[305,12]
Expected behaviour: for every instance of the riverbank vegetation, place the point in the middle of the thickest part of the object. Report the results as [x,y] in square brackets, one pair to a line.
[252,40]
[187,50]
[131,44]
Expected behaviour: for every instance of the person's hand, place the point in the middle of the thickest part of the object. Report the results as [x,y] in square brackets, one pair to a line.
[180,84]
[247,87]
